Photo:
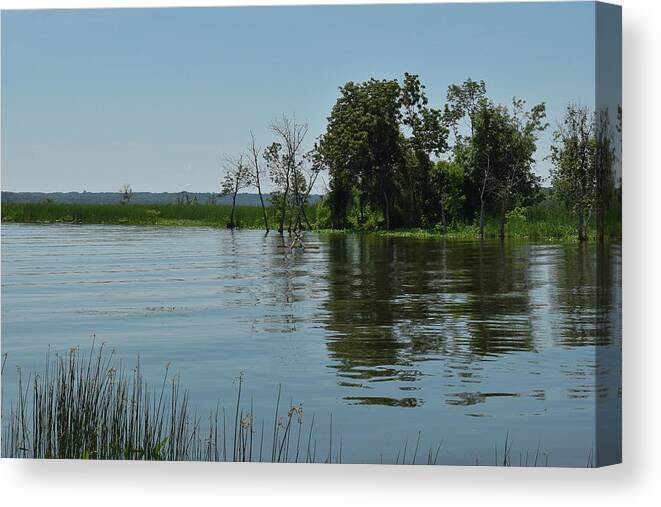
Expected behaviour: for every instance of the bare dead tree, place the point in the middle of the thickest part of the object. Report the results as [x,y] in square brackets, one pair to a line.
[256,173]
[284,159]
[309,173]
[237,176]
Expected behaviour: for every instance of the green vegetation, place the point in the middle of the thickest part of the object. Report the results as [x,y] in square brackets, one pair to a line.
[88,407]
[547,220]
[137,214]
[395,162]
[583,154]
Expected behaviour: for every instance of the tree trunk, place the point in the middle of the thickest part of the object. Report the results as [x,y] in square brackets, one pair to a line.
[298,200]
[601,214]
[444,225]
[582,236]
[386,202]
[482,193]
[236,191]
[481,217]
[298,225]
[295,214]
[361,209]
[305,217]
[258,179]
[502,221]
[300,216]
[283,210]
[261,199]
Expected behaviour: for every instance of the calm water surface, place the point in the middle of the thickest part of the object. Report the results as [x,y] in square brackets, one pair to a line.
[459,341]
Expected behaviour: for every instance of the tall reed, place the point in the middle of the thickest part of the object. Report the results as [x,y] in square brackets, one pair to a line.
[83,407]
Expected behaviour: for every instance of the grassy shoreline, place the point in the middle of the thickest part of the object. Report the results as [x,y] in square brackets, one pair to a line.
[543,223]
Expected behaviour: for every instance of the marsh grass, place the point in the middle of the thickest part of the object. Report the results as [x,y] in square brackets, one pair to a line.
[546,221]
[139,214]
[83,407]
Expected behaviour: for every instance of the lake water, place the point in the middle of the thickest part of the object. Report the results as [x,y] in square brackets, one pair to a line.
[459,341]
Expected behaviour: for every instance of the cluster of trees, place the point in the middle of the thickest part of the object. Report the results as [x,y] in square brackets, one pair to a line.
[395,161]
[388,151]
[292,172]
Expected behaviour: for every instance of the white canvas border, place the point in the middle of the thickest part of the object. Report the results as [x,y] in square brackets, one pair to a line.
[633,483]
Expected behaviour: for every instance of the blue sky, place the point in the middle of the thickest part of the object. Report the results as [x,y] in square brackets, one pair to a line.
[92,99]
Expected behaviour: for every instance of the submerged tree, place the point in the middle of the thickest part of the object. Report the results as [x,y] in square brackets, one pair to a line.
[237,177]
[307,177]
[284,159]
[573,173]
[604,158]
[256,175]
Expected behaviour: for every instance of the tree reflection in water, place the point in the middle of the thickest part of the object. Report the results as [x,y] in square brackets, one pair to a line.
[393,304]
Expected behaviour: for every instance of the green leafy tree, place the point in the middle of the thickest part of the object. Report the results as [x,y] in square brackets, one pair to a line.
[604,158]
[445,180]
[361,148]
[514,181]
[573,173]
[428,139]
[463,103]
[496,149]
[485,152]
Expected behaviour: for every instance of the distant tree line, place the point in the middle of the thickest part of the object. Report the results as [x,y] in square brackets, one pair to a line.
[245,198]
